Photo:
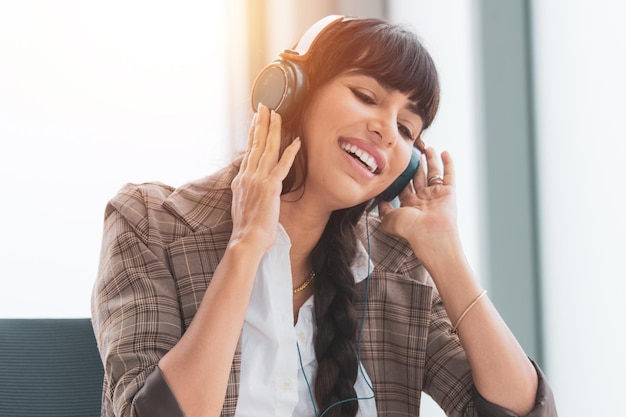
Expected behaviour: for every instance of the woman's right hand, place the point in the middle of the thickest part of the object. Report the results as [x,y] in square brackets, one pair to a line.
[258,185]
[198,367]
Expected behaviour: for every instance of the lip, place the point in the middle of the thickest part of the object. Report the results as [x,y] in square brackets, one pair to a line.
[367,147]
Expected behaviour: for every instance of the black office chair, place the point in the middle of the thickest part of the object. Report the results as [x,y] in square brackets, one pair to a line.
[49,368]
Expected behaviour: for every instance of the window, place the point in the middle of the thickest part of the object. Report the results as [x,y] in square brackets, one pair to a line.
[94,95]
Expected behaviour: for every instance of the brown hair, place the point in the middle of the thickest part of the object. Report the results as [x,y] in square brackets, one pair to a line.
[392,55]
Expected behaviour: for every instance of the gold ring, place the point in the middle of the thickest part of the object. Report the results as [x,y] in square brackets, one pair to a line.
[435,180]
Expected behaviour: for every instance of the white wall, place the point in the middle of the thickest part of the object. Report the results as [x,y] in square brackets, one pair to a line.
[93,95]
[579,54]
[448,33]
[580,75]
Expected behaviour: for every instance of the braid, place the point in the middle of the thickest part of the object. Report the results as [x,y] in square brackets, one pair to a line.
[335,315]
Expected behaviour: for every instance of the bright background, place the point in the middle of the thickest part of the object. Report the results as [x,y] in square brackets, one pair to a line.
[97,94]
[94,95]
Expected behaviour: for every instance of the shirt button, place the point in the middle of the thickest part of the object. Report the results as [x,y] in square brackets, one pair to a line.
[287,384]
[302,336]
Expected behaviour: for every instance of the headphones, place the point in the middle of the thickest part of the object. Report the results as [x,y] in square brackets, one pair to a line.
[282,84]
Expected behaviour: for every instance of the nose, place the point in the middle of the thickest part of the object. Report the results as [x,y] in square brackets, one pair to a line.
[384,126]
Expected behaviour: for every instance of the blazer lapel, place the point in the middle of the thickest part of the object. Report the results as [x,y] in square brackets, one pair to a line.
[205,207]
[193,260]
[395,331]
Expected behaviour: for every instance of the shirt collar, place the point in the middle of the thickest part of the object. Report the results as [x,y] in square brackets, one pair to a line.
[362,265]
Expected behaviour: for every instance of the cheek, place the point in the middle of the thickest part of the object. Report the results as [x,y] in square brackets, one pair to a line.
[332,105]
[322,115]
[322,120]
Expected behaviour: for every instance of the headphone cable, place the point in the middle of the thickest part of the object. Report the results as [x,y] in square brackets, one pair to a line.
[367,288]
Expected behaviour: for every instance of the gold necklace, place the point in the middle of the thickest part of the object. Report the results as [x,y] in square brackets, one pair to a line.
[305,284]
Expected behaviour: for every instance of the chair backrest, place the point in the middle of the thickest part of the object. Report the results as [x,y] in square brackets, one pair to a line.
[49,368]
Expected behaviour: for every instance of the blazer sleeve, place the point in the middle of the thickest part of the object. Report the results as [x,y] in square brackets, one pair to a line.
[135,311]
[448,377]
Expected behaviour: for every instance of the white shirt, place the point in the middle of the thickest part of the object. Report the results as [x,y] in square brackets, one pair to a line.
[271,381]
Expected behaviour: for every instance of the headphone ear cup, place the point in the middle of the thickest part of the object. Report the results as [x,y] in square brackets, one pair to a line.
[400,183]
[280,86]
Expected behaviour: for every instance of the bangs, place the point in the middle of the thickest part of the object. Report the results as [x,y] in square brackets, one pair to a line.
[388,53]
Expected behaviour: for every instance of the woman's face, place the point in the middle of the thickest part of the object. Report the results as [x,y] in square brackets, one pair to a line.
[358,137]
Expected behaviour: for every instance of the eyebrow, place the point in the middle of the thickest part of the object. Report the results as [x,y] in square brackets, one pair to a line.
[412,107]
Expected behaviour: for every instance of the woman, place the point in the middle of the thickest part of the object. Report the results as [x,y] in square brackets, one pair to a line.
[267,288]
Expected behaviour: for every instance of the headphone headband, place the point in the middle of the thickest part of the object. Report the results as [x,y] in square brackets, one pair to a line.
[301,51]
[282,84]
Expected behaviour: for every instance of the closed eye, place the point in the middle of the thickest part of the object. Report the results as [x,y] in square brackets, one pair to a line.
[367,99]
[405,131]
[363,96]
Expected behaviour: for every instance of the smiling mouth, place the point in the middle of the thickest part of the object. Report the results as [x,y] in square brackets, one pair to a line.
[367,160]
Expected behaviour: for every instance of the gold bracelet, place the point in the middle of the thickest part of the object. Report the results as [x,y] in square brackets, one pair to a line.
[455,329]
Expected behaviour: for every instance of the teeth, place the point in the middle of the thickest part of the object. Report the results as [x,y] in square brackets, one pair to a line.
[365,157]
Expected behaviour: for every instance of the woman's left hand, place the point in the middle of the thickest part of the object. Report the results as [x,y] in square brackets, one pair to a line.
[427,214]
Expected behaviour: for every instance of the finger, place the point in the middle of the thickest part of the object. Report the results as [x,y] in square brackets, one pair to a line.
[435,167]
[434,163]
[419,181]
[259,139]
[244,162]
[449,169]
[269,158]
[281,169]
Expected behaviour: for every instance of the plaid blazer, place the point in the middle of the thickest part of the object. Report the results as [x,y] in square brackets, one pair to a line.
[159,251]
